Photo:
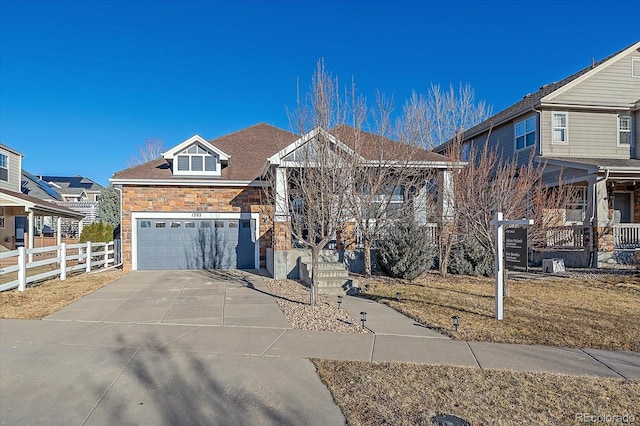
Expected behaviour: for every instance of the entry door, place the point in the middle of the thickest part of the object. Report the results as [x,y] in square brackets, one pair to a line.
[622,204]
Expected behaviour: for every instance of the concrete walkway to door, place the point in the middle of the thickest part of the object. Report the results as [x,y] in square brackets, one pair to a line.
[190,347]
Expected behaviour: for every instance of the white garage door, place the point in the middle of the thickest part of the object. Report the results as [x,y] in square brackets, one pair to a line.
[195,244]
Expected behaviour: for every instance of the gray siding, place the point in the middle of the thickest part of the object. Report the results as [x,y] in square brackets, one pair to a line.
[636,134]
[613,85]
[590,134]
[503,139]
[15,172]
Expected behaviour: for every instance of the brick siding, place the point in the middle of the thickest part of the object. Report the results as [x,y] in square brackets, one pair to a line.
[193,199]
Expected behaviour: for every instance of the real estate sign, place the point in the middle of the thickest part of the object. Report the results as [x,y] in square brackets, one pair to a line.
[515,249]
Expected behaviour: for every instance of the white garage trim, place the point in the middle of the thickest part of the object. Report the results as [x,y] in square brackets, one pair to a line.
[135,216]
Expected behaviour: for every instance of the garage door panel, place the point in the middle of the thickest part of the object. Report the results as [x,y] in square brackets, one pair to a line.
[194,244]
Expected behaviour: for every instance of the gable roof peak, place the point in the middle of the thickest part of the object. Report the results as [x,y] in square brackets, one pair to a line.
[195,139]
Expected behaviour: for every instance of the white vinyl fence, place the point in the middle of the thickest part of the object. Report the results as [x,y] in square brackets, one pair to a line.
[65,257]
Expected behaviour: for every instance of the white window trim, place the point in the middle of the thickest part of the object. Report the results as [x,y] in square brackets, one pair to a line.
[515,135]
[635,65]
[630,131]
[203,172]
[135,216]
[6,166]
[566,128]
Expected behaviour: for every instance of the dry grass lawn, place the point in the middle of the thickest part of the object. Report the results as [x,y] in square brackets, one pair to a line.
[595,312]
[39,301]
[410,394]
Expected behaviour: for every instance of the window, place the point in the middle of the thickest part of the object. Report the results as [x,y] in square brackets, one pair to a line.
[624,130]
[576,209]
[175,224]
[635,67]
[387,201]
[559,127]
[1,217]
[196,159]
[4,168]
[161,225]
[526,133]
[145,224]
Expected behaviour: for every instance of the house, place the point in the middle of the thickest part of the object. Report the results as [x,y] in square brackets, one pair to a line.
[18,211]
[74,188]
[585,129]
[203,204]
[77,193]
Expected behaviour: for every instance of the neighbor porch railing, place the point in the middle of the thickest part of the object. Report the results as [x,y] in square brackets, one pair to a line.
[565,237]
[626,236]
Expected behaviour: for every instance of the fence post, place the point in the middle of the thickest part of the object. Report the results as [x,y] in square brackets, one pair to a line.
[88,258]
[106,254]
[22,269]
[63,261]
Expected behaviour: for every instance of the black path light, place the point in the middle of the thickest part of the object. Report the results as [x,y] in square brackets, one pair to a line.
[366,287]
[456,322]
[398,295]
[339,301]
[363,318]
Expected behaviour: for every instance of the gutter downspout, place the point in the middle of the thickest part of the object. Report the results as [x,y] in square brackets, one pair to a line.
[592,256]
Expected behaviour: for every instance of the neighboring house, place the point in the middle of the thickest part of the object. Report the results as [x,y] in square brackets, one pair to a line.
[585,129]
[203,204]
[18,211]
[74,188]
[74,192]
[78,193]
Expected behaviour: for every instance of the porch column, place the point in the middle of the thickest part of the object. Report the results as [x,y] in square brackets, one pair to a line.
[446,196]
[58,231]
[281,196]
[80,226]
[601,204]
[31,226]
[419,202]
[602,227]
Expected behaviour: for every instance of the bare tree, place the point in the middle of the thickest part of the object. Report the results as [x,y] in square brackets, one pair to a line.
[387,174]
[491,183]
[152,149]
[319,172]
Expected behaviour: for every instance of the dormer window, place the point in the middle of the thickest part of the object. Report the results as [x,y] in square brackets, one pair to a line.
[196,159]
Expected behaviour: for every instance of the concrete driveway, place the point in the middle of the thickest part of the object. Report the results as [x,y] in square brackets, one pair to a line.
[161,348]
[224,298]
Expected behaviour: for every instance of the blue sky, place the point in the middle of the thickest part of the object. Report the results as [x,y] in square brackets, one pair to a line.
[84,83]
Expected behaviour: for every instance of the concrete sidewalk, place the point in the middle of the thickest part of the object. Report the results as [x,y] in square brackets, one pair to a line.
[198,348]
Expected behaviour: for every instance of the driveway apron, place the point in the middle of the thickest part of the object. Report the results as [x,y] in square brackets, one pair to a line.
[164,348]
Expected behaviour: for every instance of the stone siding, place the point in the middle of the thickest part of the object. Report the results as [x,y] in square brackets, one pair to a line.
[193,199]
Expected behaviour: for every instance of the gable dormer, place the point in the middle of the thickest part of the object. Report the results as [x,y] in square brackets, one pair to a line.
[196,157]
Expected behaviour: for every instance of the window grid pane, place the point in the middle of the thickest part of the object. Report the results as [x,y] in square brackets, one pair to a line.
[196,163]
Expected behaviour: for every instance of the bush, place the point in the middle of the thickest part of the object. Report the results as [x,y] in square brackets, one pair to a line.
[469,257]
[99,232]
[405,251]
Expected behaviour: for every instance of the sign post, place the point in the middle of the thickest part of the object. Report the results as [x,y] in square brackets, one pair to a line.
[499,223]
